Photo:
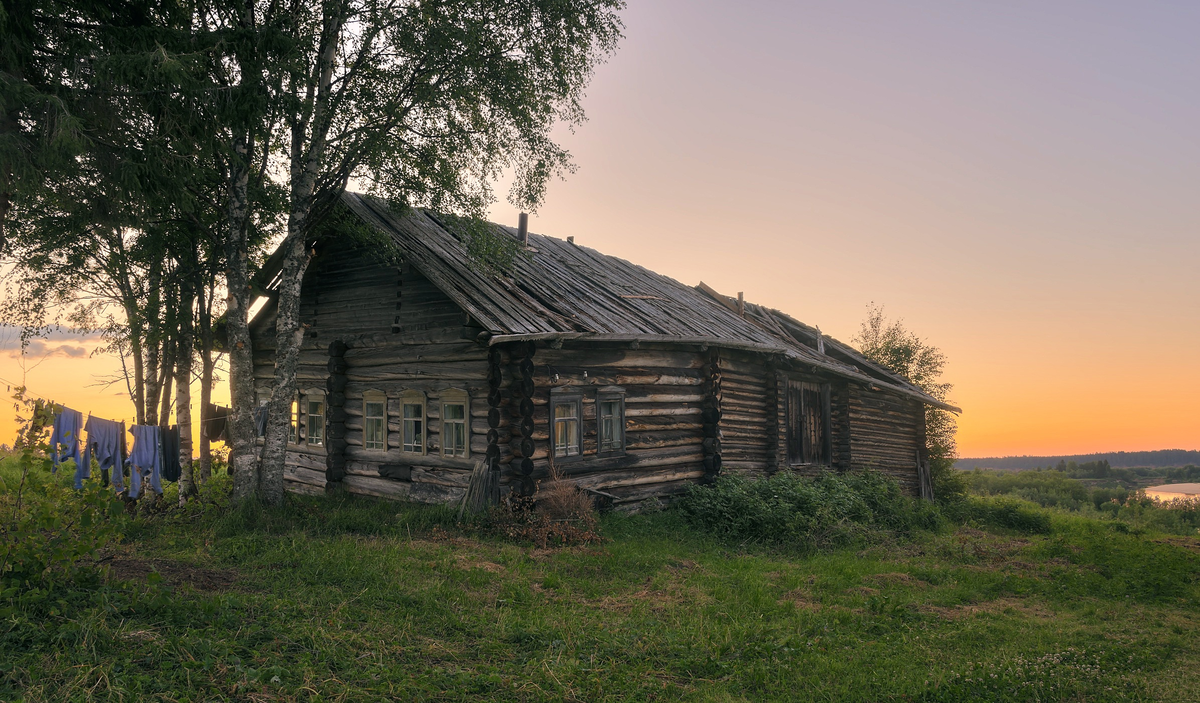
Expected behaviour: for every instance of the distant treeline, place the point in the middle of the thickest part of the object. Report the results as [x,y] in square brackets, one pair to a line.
[1160,457]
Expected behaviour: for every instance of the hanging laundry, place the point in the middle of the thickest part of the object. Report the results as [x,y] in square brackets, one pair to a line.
[260,420]
[105,442]
[169,437]
[64,438]
[216,423]
[145,460]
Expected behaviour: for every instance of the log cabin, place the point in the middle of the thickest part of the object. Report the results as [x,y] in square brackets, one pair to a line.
[419,366]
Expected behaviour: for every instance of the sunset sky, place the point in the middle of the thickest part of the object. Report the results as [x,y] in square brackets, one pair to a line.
[1018,181]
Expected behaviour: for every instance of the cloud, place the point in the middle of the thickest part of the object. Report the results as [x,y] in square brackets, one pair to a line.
[39,349]
[10,340]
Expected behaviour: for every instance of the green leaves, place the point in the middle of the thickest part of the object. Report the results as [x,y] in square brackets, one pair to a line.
[49,539]
[803,513]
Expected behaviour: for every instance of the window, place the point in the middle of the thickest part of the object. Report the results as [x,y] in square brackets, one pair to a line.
[454,423]
[610,420]
[808,438]
[315,422]
[567,411]
[375,422]
[294,425]
[413,422]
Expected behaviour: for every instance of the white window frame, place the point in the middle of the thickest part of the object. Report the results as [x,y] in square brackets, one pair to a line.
[308,399]
[409,399]
[610,394]
[371,398]
[574,400]
[456,396]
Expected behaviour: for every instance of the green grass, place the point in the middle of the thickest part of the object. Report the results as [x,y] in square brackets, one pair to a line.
[345,599]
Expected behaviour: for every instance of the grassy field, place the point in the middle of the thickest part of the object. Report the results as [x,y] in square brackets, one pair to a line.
[349,600]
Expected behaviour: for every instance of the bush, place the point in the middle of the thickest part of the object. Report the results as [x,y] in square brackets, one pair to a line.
[949,484]
[51,533]
[1057,489]
[1005,512]
[803,513]
[558,514]
[1049,489]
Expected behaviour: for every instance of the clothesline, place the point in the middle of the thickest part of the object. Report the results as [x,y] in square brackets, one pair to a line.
[214,420]
[155,454]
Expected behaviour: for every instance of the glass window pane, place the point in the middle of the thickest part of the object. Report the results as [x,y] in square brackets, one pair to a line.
[566,428]
[316,422]
[294,428]
[610,429]
[560,437]
[572,437]
[454,429]
[374,425]
[413,426]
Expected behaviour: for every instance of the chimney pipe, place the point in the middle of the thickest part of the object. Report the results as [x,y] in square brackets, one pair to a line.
[523,228]
[741,304]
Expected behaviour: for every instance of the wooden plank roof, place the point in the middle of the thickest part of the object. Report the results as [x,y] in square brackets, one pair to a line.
[566,291]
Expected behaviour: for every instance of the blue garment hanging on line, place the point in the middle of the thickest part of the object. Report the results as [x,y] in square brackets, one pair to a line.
[107,439]
[145,459]
[67,426]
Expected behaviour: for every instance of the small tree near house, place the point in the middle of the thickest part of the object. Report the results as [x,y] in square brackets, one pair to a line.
[890,343]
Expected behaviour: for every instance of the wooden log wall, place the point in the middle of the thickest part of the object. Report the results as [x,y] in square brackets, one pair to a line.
[335,412]
[664,418]
[712,416]
[395,332]
[749,422]
[523,448]
[885,435]
[839,401]
[496,421]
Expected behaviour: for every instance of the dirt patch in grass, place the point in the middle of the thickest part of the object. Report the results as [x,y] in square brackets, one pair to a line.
[1189,543]
[800,598]
[896,578]
[173,573]
[669,592]
[1018,606]
[475,561]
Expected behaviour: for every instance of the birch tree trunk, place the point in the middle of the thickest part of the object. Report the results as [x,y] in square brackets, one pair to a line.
[204,300]
[135,351]
[168,377]
[289,335]
[151,336]
[242,460]
[309,128]
[183,394]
